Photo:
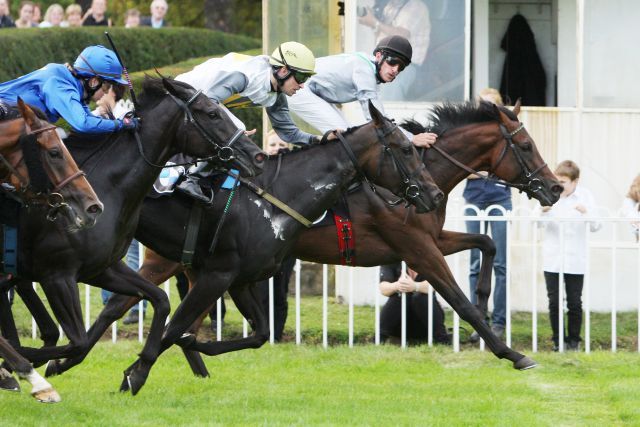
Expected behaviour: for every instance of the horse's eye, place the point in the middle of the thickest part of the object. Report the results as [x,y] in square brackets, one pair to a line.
[55,153]
[407,150]
[213,114]
[526,146]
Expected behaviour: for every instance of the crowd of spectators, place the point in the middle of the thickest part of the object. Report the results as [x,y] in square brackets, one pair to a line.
[30,15]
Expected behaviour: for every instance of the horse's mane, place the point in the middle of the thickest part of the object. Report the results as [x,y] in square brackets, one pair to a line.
[153,90]
[13,112]
[452,115]
[300,148]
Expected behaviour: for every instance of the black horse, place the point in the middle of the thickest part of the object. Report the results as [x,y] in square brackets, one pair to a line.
[122,170]
[256,235]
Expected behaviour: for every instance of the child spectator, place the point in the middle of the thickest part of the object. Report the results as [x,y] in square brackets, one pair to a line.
[132,18]
[567,253]
[53,16]
[25,15]
[73,16]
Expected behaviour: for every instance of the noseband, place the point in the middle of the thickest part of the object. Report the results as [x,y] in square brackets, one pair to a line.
[55,200]
[410,189]
[533,184]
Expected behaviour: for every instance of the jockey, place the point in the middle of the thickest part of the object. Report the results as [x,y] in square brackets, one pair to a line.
[352,77]
[239,81]
[62,90]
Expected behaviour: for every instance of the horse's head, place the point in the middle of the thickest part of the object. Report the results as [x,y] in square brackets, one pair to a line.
[519,162]
[392,161]
[72,194]
[208,132]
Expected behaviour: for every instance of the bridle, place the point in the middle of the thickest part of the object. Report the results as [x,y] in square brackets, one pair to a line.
[532,183]
[411,188]
[224,151]
[28,196]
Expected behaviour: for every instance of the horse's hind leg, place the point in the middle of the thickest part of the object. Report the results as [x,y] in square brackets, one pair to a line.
[451,242]
[49,332]
[41,389]
[247,299]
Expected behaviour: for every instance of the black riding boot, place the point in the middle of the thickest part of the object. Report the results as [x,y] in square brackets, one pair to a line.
[190,184]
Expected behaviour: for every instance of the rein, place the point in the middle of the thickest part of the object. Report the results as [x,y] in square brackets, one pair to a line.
[224,152]
[533,184]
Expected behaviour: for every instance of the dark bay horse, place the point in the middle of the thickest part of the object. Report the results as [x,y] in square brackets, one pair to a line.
[256,235]
[481,137]
[72,195]
[122,170]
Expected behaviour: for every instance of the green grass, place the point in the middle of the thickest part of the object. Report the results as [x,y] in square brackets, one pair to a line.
[286,384]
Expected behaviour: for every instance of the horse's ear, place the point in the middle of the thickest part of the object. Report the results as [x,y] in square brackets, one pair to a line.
[376,115]
[27,114]
[516,108]
[168,85]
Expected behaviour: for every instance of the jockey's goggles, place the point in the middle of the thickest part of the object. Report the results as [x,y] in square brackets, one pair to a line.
[394,60]
[300,76]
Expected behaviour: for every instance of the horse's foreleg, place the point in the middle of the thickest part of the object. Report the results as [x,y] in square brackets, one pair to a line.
[41,389]
[435,269]
[451,242]
[49,332]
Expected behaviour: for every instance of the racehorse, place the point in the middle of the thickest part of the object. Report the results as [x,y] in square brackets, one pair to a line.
[256,235]
[122,169]
[472,137]
[72,194]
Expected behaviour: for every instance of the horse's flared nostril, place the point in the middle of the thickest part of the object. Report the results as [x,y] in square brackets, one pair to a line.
[260,157]
[94,209]
[557,189]
[439,197]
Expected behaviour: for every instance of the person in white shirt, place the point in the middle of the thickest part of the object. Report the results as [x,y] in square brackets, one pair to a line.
[567,252]
[631,206]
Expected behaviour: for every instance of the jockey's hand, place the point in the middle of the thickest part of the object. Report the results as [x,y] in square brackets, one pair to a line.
[130,123]
[426,139]
[333,135]
[249,132]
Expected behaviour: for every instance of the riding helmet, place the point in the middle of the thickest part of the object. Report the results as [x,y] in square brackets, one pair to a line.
[101,62]
[395,46]
[295,56]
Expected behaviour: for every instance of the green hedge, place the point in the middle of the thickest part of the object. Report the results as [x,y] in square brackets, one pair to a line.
[25,50]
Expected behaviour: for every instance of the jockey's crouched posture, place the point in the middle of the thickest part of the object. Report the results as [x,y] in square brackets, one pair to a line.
[62,90]
[238,81]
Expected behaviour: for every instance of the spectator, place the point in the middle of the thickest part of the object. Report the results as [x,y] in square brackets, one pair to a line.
[482,194]
[274,143]
[96,15]
[25,15]
[353,77]
[409,19]
[567,253]
[37,14]
[394,282]
[73,15]
[158,9]
[631,206]
[5,16]
[53,16]
[132,18]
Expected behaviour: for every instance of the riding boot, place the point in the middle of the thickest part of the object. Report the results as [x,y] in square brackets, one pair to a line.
[190,184]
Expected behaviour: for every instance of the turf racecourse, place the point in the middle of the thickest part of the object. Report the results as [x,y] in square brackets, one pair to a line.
[367,385]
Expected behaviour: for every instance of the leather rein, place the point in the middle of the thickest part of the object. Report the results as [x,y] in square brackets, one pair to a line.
[533,184]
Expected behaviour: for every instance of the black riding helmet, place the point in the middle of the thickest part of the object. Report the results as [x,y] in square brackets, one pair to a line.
[393,46]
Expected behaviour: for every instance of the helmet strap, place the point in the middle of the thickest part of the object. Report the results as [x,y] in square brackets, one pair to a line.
[88,90]
[280,80]
[383,58]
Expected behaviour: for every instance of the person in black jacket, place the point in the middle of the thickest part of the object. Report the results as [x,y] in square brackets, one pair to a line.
[394,282]
[5,18]
[159,9]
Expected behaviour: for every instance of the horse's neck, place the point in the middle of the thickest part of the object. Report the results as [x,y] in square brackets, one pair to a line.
[470,145]
[10,132]
[310,181]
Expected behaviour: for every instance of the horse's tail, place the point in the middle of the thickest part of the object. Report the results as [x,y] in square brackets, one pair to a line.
[413,126]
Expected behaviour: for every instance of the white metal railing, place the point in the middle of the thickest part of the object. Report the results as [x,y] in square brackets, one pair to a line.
[527,225]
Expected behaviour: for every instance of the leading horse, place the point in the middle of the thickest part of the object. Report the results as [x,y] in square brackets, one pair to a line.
[122,169]
[478,137]
[256,235]
[72,195]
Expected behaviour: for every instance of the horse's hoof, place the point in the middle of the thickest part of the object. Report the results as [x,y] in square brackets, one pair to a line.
[525,363]
[125,386]
[137,379]
[48,395]
[9,383]
[52,369]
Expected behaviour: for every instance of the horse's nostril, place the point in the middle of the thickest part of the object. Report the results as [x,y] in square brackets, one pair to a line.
[439,197]
[260,157]
[94,209]
[557,188]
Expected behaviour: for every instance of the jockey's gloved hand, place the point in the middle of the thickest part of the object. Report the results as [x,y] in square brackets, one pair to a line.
[130,123]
